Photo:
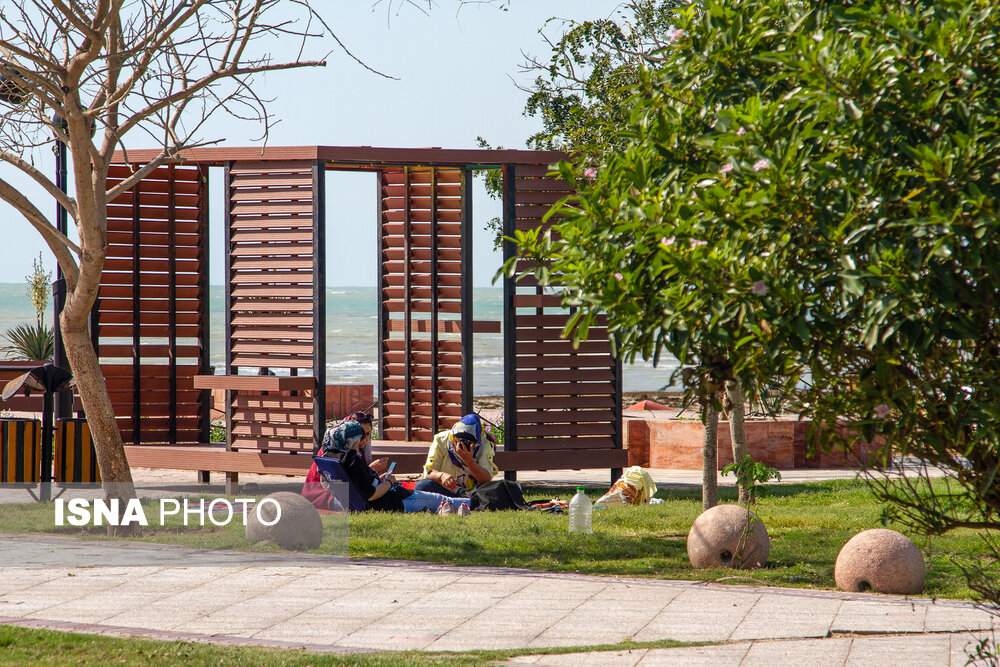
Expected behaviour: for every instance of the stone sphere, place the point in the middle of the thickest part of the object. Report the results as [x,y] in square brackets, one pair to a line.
[717,539]
[880,560]
[298,528]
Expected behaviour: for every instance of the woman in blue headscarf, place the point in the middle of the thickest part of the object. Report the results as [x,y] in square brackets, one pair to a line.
[345,441]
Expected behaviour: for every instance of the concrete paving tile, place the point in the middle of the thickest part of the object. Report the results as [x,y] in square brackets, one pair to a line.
[964,645]
[311,629]
[876,617]
[637,593]
[911,650]
[700,615]
[588,627]
[16,579]
[592,659]
[785,616]
[696,656]
[942,618]
[831,652]
[97,608]
[23,604]
[486,639]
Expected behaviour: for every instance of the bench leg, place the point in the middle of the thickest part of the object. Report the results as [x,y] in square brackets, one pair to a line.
[232,483]
[510,475]
[205,476]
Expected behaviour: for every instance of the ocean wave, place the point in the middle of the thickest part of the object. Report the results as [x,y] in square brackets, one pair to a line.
[490,361]
[352,365]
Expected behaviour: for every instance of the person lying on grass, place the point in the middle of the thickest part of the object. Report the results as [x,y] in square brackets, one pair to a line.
[381,492]
[459,460]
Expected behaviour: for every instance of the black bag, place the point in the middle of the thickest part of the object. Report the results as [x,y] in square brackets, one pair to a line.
[500,494]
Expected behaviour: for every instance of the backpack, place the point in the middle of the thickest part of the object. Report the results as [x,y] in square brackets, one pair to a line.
[500,494]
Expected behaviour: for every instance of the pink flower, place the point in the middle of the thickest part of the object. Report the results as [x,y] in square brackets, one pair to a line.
[759,288]
[726,168]
[674,33]
[762,163]
[740,132]
[618,276]
[881,411]
[667,241]
[698,242]
[590,172]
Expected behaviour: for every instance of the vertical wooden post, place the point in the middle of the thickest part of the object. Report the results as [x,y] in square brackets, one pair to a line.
[136,314]
[434,302]
[319,302]
[172,298]
[509,320]
[204,338]
[467,317]
[407,314]
[232,478]
[383,312]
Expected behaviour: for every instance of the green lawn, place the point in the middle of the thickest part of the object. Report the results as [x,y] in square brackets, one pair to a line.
[23,646]
[808,524]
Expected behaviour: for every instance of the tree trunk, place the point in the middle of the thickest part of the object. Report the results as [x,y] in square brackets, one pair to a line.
[115,473]
[738,431]
[710,456]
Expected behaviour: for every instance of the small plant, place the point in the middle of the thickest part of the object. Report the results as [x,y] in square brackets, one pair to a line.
[33,342]
[217,432]
[38,287]
[749,474]
[494,431]
[30,342]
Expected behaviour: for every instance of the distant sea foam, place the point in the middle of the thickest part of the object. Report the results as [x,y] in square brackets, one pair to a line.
[352,348]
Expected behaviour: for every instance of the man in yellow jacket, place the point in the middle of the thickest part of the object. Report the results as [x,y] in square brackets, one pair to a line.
[459,460]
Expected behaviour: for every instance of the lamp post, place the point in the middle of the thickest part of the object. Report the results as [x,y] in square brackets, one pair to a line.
[64,399]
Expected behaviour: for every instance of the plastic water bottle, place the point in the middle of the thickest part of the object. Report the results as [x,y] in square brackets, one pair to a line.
[580,511]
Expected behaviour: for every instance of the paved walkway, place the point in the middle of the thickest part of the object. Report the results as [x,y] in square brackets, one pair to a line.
[377,605]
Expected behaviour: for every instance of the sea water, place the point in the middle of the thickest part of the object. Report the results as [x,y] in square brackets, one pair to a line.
[351,337]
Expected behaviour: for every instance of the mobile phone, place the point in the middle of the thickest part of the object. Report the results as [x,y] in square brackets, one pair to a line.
[392,466]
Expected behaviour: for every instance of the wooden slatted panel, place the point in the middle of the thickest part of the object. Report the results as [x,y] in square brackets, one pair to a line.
[559,398]
[425,315]
[152,312]
[273,308]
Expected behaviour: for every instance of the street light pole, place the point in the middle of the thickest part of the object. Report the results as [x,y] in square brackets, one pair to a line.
[64,399]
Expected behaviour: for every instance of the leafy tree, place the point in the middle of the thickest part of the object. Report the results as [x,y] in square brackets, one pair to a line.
[841,165]
[581,93]
[110,70]
[659,306]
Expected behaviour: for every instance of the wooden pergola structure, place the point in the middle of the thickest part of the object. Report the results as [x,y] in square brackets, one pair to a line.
[562,404]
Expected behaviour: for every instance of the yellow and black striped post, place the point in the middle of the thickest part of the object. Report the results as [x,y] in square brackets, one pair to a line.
[76,458]
[20,451]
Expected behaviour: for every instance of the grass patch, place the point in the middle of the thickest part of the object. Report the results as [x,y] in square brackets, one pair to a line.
[23,646]
[808,524]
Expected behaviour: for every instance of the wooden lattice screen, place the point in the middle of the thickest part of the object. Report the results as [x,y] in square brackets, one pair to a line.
[275,304]
[153,305]
[562,404]
[425,319]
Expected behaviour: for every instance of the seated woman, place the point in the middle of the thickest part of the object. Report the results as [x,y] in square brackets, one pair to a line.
[344,442]
[459,460]
[365,419]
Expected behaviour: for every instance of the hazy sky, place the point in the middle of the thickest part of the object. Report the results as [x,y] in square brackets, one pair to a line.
[456,71]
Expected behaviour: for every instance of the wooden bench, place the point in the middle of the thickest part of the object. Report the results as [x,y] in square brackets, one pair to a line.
[409,456]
